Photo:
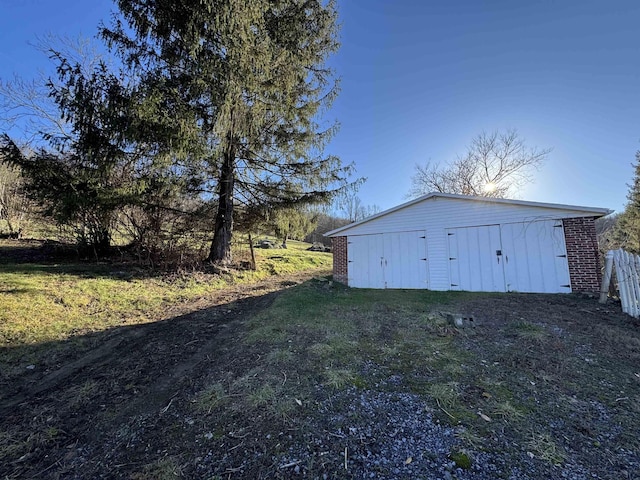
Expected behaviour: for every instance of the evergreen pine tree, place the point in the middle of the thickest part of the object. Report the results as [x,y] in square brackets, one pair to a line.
[627,230]
[250,79]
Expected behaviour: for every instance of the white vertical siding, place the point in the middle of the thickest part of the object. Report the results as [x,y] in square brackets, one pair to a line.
[437,214]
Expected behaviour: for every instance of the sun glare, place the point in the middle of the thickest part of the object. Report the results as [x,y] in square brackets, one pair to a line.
[490,187]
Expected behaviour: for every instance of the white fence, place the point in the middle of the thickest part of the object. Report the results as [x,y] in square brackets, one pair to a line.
[627,270]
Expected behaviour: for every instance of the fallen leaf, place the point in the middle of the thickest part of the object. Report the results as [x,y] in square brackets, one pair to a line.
[484,417]
[408,460]
[486,395]
[298,402]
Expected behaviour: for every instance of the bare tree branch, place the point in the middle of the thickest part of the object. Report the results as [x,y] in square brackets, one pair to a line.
[351,206]
[496,164]
[26,106]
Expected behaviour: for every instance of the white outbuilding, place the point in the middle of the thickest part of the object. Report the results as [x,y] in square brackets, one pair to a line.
[455,242]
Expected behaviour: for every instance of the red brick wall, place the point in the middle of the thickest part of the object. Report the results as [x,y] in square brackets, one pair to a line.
[582,254]
[339,247]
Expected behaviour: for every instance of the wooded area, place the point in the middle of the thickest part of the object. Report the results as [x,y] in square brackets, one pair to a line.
[206,119]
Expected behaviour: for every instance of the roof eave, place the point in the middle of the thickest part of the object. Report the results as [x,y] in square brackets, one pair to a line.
[596,211]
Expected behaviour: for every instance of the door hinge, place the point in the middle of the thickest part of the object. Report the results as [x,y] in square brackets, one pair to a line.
[423,259]
[557,226]
[452,258]
[561,256]
[566,286]
[450,233]
[454,284]
[423,237]
[349,261]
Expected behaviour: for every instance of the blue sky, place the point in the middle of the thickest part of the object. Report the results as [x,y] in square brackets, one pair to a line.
[421,78]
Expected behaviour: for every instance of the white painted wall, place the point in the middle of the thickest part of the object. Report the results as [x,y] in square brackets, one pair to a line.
[437,214]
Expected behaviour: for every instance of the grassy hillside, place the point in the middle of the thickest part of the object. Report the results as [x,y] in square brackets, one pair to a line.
[46,301]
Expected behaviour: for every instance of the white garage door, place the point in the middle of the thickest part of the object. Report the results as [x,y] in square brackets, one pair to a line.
[389,260]
[535,257]
[519,257]
[365,256]
[475,262]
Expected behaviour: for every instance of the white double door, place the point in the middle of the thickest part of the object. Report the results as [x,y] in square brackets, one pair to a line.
[388,260]
[517,257]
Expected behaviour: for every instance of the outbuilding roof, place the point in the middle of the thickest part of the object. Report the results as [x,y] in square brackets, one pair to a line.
[596,211]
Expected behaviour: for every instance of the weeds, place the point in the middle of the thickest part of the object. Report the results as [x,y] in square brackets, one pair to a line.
[280,356]
[163,469]
[338,378]
[529,331]
[507,412]
[445,394]
[11,447]
[263,396]
[83,393]
[337,348]
[212,397]
[470,438]
[543,446]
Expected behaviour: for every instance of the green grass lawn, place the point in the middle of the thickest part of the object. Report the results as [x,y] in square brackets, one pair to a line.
[52,302]
[338,331]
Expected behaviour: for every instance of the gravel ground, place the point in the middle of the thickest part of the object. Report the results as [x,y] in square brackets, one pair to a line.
[390,436]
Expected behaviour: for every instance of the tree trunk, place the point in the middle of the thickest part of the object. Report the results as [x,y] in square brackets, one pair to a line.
[220,252]
[7,218]
[253,254]
[103,241]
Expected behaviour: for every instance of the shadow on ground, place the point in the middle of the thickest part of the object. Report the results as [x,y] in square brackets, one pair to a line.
[100,381]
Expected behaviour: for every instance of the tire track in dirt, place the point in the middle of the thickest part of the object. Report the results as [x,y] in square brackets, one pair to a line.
[168,386]
[97,357]
[129,345]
